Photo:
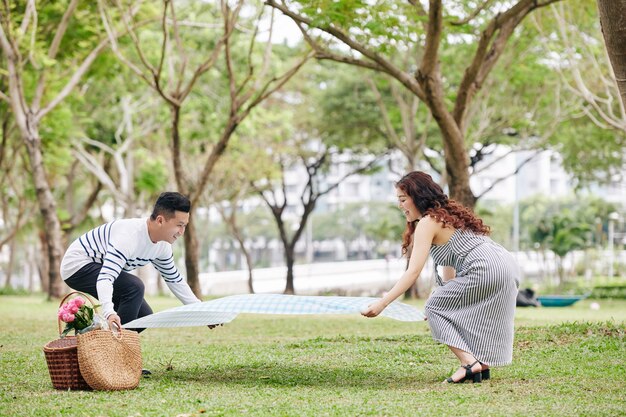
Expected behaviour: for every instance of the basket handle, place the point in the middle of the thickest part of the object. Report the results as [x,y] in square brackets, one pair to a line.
[82,294]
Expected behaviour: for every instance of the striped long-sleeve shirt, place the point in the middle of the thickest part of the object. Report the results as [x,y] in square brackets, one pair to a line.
[123,245]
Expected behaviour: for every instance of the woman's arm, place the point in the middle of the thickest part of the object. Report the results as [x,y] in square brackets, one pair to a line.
[422,239]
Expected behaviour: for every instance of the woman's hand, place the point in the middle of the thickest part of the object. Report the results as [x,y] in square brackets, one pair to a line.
[373,309]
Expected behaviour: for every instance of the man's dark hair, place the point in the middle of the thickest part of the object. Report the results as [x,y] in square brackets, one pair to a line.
[168,203]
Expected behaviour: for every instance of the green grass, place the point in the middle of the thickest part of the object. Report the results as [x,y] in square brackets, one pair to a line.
[567,362]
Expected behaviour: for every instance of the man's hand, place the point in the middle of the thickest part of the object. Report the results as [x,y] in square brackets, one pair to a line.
[213,326]
[114,319]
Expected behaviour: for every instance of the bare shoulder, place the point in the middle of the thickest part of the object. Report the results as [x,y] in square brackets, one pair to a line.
[427,222]
[440,234]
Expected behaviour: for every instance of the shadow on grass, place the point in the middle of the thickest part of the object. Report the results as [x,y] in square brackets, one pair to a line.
[314,375]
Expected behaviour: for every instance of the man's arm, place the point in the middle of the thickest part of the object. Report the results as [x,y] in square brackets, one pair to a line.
[174,280]
[113,262]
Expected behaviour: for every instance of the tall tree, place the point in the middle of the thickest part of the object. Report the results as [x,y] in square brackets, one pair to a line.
[297,145]
[17,203]
[174,71]
[230,187]
[280,202]
[32,40]
[487,26]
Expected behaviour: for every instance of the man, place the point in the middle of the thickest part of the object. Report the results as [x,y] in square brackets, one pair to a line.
[98,262]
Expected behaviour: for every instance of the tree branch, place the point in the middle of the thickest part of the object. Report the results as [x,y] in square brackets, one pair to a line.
[391,69]
[84,66]
[16,96]
[208,64]
[517,170]
[93,166]
[472,15]
[115,48]
[488,52]
[433,39]
[266,91]
[52,52]
[393,135]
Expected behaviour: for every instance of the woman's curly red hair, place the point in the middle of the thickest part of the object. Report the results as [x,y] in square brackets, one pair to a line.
[431,201]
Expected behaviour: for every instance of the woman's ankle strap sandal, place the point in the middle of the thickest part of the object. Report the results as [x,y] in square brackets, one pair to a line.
[474,376]
[485,373]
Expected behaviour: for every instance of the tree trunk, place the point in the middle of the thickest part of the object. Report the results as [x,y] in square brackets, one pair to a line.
[290,261]
[41,262]
[455,153]
[613,23]
[250,280]
[9,269]
[191,259]
[560,272]
[410,292]
[244,251]
[191,241]
[179,173]
[47,207]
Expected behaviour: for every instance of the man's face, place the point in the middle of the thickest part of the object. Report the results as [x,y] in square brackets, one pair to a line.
[171,229]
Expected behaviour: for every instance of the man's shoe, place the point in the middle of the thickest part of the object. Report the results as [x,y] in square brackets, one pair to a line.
[145,372]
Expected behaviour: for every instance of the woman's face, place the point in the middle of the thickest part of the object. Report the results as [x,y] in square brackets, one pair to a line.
[406,204]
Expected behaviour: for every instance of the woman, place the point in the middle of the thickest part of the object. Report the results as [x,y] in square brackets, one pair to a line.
[472,309]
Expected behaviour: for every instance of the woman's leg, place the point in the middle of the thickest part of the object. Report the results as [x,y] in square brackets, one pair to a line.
[465,358]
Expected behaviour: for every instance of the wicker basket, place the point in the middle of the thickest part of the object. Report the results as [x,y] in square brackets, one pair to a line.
[62,358]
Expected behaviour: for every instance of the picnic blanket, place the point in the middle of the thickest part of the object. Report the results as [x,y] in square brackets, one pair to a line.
[224,310]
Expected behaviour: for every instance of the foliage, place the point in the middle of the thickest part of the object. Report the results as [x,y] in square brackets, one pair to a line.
[500,220]
[562,226]
[615,291]
[591,140]
[152,176]
[378,222]
[345,112]
[536,214]
[591,154]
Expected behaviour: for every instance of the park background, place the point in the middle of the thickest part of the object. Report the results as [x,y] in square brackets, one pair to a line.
[287,123]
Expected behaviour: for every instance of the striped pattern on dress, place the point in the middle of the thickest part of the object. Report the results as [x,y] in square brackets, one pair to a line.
[474,312]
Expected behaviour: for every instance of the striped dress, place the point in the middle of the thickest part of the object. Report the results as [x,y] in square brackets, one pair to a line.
[474,312]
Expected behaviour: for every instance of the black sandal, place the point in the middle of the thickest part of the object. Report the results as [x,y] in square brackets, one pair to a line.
[485,373]
[474,376]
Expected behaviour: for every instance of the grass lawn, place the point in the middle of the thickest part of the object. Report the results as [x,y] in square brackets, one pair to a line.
[567,362]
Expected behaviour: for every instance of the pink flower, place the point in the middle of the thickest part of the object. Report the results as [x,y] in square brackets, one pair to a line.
[68,317]
[62,310]
[76,314]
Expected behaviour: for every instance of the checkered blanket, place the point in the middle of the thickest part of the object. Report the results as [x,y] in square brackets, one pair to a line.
[224,310]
